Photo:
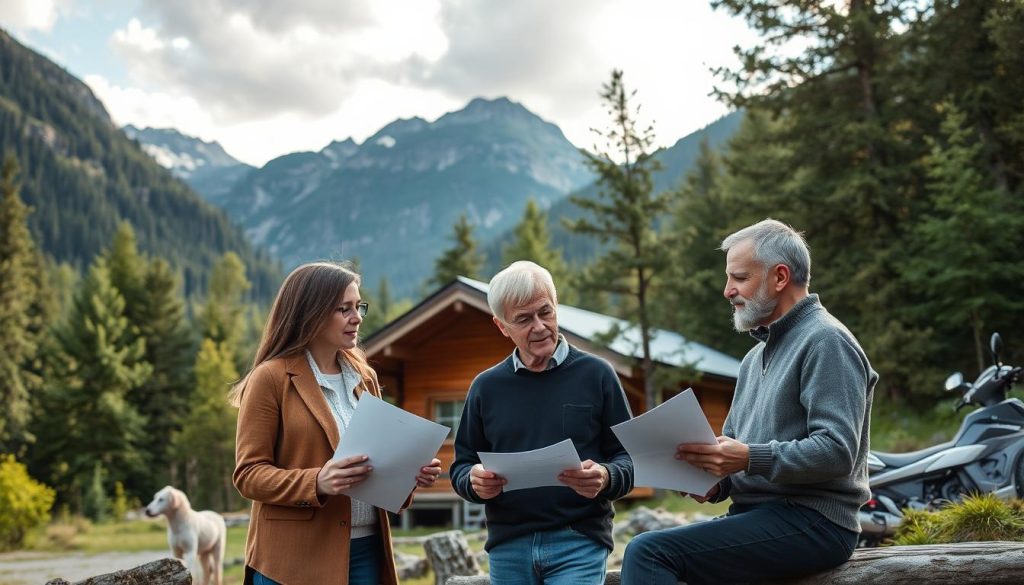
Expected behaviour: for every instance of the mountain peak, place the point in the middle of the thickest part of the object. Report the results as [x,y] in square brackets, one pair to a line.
[482,110]
[181,153]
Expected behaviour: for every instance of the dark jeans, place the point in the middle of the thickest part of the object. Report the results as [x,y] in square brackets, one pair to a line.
[757,542]
[363,565]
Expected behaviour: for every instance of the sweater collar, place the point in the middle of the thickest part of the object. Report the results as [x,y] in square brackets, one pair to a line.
[788,321]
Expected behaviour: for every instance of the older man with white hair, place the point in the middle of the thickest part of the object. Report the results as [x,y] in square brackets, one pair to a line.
[793,451]
[545,392]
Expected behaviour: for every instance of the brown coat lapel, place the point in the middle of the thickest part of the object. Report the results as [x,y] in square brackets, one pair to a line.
[305,383]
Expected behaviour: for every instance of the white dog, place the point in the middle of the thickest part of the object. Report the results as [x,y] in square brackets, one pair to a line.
[197,538]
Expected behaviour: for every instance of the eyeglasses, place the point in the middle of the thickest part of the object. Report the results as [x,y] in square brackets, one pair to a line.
[361,308]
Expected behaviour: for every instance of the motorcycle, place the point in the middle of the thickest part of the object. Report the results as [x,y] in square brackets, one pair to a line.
[986,455]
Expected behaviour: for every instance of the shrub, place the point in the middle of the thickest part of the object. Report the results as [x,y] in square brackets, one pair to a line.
[24,503]
[976,518]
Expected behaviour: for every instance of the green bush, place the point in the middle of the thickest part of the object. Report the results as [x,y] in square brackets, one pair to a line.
[24,503]
[976,518]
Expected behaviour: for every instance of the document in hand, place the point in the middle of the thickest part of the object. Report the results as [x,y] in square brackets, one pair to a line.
[651,440]
[398,444]
[537,468]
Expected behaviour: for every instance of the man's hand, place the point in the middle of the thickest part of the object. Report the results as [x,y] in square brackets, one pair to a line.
[725,458]
[428,473]
[701,499]
[486,484]
[587,482]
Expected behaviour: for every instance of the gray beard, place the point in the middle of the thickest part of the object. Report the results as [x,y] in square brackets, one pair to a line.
[754,311]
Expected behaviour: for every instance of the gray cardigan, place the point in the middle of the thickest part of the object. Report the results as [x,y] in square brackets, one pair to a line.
[803,405]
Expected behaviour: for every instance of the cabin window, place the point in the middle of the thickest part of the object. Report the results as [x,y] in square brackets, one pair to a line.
[448,413]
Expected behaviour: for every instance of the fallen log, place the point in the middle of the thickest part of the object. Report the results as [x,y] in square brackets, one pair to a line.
[965,563]
[163,571]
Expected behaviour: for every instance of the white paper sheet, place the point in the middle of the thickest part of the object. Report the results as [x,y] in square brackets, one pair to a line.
[398,443]
[651,440]
[537,468]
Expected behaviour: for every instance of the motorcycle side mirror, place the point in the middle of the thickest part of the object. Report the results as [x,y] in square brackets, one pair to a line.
[995,343]
[954,381]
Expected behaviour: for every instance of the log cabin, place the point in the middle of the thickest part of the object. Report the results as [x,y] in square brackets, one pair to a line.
[427,358]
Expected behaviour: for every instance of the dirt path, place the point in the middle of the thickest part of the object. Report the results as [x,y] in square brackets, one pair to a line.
[34,568]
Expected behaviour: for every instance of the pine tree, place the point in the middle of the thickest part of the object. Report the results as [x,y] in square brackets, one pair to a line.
[127,271]
[965,255]
[164,399]
[844,131]
[87,418]
[222,318]
[701,217]
[533,242]
[626,214]
[206,441]
[19,268]
[464,258]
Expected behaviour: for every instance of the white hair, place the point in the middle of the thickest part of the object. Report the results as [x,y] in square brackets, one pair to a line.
[776,243]
[517,284]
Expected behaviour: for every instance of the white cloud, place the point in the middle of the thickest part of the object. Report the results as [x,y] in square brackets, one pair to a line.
[266,77]
[137,37]
[29,14]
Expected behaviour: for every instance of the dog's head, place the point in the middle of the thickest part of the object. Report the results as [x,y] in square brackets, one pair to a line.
[166,501]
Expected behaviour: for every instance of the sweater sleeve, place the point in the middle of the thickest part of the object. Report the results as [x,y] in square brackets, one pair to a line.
[469,440]
[617,460]
[834,387]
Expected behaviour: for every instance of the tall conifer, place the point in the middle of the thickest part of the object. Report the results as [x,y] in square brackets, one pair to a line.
[625,215]
[18,345]
[464,258]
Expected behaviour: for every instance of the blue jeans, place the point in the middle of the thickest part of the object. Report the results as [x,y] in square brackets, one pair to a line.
[553,557]
[363,563]
[755,542]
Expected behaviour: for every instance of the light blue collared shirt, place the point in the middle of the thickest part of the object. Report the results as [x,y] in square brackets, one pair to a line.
[561,352]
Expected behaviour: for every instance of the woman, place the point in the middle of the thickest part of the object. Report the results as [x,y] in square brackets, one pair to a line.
[294,407]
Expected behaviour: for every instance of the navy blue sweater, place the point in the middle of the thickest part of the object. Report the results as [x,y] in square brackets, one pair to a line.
[508,411]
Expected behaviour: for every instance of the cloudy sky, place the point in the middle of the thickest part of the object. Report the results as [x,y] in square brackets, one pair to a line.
[268,77]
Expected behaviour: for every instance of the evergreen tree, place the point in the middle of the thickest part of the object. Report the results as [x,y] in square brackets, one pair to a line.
[533,242]
[625,214]
[164,398]
[464,258]
[86,418]
[850,174]
[222,318]
[383,308]
[127,271]
[965,259]
[18,345]
[701,217]
[206,441]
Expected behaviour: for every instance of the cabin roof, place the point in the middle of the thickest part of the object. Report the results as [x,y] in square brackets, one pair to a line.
[667,347]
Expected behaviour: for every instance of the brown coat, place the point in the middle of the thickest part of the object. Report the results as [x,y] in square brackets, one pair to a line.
[286,433]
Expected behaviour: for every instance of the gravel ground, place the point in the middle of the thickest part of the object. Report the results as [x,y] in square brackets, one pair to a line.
[35,568]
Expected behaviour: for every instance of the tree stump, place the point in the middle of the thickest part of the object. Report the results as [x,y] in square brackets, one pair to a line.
[449,555]
[164,571]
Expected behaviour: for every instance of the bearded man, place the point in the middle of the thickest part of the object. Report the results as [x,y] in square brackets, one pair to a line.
[793,450]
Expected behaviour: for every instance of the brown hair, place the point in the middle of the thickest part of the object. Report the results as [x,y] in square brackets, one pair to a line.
[306,300]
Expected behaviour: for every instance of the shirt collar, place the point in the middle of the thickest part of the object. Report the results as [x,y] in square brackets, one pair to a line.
[348,378]
[561,352]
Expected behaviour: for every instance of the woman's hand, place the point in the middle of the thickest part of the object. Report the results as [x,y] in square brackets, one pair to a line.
[340,474]
[428,474]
